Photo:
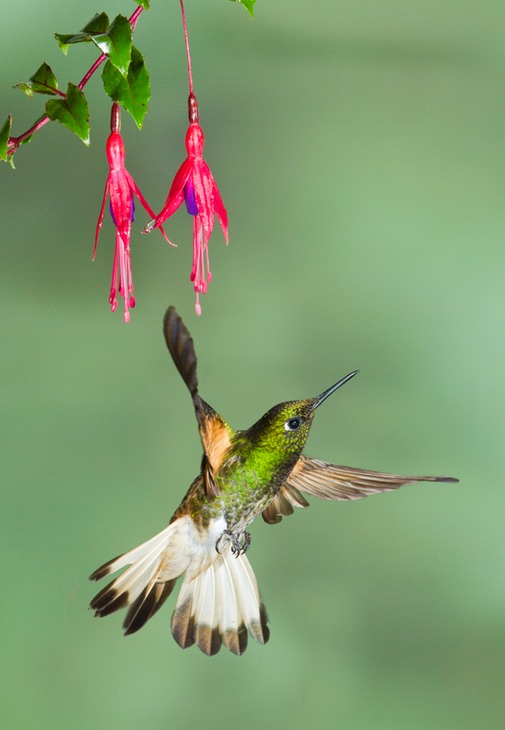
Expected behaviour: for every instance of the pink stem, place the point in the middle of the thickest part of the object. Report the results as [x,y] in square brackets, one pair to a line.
[193,114]
[14,142]
[186,40]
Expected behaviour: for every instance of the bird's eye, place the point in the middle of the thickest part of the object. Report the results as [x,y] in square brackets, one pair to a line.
[293,424]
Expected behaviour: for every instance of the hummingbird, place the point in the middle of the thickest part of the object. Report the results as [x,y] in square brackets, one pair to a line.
[244,473]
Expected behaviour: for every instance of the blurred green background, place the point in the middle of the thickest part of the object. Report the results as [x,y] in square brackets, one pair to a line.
[359,148]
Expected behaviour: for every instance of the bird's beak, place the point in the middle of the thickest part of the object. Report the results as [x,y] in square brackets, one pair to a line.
[323,396]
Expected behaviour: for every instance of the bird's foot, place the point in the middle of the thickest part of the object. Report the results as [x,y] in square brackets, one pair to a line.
[237,547]
[246,541]
[227,536]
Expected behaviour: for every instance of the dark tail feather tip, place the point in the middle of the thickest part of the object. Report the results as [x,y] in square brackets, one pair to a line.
[103,570]
[146,605]
[99,573]
[109,600]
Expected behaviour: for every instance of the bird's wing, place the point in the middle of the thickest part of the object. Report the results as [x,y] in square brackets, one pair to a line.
[180,345]
[334,482]
[214,432]
[282,504]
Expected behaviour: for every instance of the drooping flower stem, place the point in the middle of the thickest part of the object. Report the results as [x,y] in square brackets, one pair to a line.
[14,142]
[186,40]
[193,114]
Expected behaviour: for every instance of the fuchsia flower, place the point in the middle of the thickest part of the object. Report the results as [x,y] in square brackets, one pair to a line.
[195,184]
[121,188]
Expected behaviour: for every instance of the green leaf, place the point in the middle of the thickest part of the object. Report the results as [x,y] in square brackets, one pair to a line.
[43,81]
[144,3]
[134,92]
[248,5]
[5,133]
[114,40]
[97,25]
[116,43]
[72,112]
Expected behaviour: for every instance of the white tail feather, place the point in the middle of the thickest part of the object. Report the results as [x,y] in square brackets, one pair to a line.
[132,556]
[219,600]
[220,605]
[229,618]
[137,576]
[248,597]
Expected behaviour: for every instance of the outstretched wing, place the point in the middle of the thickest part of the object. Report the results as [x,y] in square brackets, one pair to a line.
[214,432]
[334,482]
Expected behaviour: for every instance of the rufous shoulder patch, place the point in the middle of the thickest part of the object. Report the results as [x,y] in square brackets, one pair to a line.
[216,440]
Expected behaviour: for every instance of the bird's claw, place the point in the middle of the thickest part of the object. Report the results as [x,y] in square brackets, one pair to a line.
[246,541]
[237,548]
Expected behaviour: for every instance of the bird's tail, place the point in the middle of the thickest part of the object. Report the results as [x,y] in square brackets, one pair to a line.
[219,601]
[220,606]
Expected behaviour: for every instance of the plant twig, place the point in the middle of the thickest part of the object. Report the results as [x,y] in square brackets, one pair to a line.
[14,142]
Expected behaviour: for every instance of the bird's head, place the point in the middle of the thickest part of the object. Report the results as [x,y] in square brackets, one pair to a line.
[285,427]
